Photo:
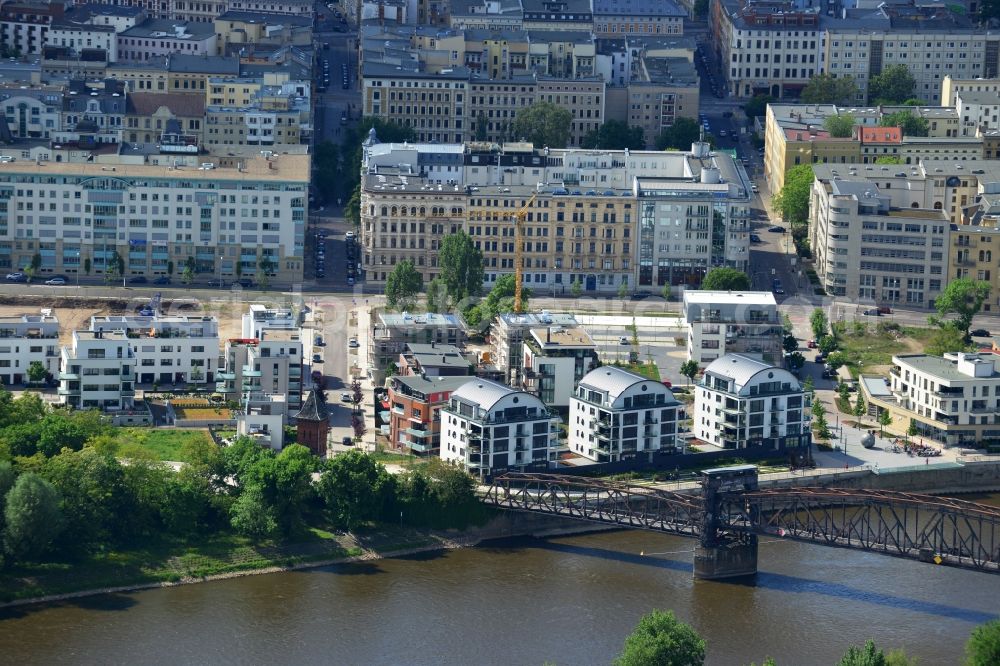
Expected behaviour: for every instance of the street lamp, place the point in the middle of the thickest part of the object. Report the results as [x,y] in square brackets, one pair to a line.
[77,268]
[221,257]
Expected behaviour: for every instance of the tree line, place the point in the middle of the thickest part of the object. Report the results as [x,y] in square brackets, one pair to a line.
[65,490]
[660,639]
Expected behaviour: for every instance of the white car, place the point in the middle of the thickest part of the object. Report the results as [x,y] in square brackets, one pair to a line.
[346,397]
[353,344]
[623,340]
[56,281]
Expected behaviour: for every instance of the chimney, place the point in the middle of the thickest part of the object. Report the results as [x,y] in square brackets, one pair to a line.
[548,334]
[444,359]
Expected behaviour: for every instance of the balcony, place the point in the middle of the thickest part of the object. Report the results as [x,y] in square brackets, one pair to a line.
[68,376]
[67,391]
[248,371]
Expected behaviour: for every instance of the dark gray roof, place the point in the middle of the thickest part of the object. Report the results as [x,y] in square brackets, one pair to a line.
[638,8]
[313,409]
[267,18]
[183,63]
[168,29]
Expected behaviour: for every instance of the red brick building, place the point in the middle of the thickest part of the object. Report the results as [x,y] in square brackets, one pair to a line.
[414,401]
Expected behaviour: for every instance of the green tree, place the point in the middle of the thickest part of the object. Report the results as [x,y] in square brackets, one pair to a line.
[265,270]
[946,338]
[818,410]
[114,268]
[36,262]
[622,291]
[32,519]
[843,392]
[661,640]
[461,264]
[963,298]
[840,126]
[37,372]
[355,489]
[808,387]
[252,515]
[836,359]
[576,288]
[827,344]
[7,479]
[829,89]
[543,124]
[888,159]
[790,343]
[188,272]
[725,279]
[481,126]
[757,107]
[352,209]
[912,430]
[910,123]
[796,360]
[983,646]
[86,265]
[860,408]
[868,655]
[403,283]
[614,135]
[680,135]
[884,420]
[894,85]
[819,323]
[792,201]
[437,296]
[689,369]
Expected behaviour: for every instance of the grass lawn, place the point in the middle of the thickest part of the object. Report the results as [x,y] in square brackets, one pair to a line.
[647,370]
[401,459]
[869,347]
[163,444]
[204,413]
[169,561]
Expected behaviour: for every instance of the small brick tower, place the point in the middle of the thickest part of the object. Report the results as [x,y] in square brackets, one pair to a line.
[313,424]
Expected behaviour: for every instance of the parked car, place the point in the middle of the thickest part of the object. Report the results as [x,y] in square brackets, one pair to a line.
[350,281]
[353,344]
[347,441]
[346,396]
[979,333]
[754,238]
[777,229]
[811,344]
[639,295]
[884,309]
[872,312]
[138,279]
[245,283]
[17,277]
[820,357]
[318,341]
[317,358]
[163,279]
[755,189]
[56,281]
[623,340]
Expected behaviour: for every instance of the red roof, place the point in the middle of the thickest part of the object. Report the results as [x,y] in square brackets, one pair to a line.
[881,135]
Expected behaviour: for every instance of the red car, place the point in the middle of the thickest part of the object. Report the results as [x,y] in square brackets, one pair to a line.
[811,344]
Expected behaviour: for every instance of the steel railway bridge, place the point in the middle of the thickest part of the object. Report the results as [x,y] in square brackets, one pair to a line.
[731,512]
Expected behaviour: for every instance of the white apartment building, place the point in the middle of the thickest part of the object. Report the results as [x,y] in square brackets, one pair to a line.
[871,252]
[616,415]
[555,359]
[724,322]
[263,374]
[953,399]
[978,111]
[32,113]
[25,339]
[155,216]
[488,428]
[744,403]
[951,86]
[84,37]
[168,350]
[508,333]
[261,318]
[98,371]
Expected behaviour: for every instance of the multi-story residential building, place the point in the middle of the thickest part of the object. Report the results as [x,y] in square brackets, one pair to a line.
[766,48]
[263,373]
[869,251]
[931,40]
[483,15]
[488,428]
[952,399]
[260,318]
[661,90]
[84,39]
[433,104]
[145,76]
[24,26]
[160,37]
[98,371]
[774,48]
[617,18]
[93,112]
[794,134]
[119,17]
[616,414]
[27,339]
[168,350]
[269,110]
[557,15]
[725,322]
[429,359]
[187,73]
[582,97]
[240,28]
[31,113]
[554,360]
[952,85]
[294,7]
[156,217]
[414,416]
[599,218]
[149,115]
[744,403]
[391,333]
[508,333]
[978,111]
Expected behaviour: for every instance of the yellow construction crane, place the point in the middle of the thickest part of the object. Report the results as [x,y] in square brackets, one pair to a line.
[519,218]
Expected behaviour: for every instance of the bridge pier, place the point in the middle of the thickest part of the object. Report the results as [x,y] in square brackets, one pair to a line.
[720,553]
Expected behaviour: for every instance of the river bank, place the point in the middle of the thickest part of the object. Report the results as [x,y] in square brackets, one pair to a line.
[58,583]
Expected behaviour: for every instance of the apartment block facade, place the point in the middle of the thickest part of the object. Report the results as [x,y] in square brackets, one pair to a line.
[616,415]
[602,219]
[155,217]
[415,404]
[744,403]
[97,371]
[391,333]
[724,322]
[263,374]
[27,339]
[554,360]
[489,428]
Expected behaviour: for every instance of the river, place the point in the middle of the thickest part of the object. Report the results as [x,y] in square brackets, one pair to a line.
[568,600]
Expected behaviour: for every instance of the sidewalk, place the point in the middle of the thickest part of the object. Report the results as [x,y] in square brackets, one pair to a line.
[364,327]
